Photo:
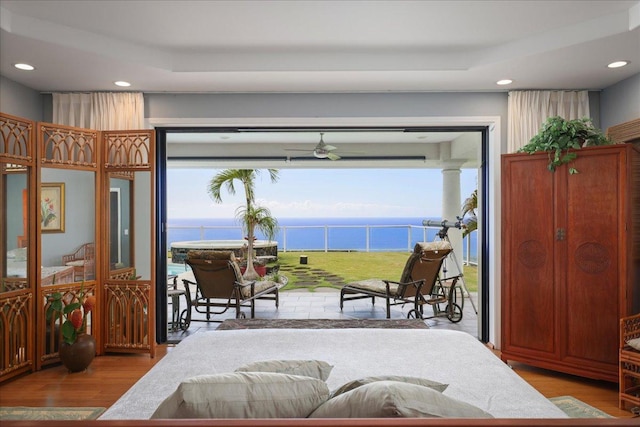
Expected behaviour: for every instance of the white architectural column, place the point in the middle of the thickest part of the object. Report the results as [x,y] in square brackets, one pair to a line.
[451,209]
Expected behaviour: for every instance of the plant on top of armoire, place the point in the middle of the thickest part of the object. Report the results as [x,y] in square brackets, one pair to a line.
[558,135]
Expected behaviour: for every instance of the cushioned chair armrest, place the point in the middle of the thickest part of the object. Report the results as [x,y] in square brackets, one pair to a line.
[255,289]
[186,284]
[250,284]
[388,284]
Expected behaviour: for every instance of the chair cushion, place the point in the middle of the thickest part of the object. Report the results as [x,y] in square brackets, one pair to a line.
[244,395]
[405,277]
[368,380]
[237,272]
[437,245]
[382,399]
[261,285]
[374,285]
[306,368]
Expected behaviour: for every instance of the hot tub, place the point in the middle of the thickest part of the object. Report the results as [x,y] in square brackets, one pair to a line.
[262,248]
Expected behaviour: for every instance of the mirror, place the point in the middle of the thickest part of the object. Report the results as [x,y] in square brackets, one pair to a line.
[142,207]
[120,224]
[67,222]
[15,197]
[129,204]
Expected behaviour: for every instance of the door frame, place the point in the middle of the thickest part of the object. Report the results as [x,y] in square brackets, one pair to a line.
[489,253]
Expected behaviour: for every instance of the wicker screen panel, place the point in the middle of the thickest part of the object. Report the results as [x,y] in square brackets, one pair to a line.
[128,149]
[15,138]
[64,145]
[17,351]
[127,316]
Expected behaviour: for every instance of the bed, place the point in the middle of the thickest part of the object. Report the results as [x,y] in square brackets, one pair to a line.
[16,265]
[474,374]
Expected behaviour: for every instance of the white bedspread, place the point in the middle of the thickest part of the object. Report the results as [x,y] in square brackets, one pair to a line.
[474,374]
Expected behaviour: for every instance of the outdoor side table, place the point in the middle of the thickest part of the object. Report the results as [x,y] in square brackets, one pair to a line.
[174,293]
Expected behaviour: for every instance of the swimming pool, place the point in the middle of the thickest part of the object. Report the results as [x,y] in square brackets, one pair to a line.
[175,269]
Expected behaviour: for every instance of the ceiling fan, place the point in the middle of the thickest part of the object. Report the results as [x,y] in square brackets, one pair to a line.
[322,150]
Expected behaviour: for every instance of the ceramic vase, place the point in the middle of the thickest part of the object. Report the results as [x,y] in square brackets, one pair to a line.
[77,357]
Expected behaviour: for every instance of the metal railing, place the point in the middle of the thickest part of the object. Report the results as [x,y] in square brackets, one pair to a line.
[365,238]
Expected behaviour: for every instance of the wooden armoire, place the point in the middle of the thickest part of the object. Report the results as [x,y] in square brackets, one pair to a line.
[571,258]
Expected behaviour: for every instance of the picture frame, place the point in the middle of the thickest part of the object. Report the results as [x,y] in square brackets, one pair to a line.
[52,207]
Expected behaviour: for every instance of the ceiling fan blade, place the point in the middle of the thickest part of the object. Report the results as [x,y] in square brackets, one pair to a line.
[332,156]
[299,149]
[329,147]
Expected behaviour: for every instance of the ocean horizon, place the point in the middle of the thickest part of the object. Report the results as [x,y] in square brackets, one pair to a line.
[373,234]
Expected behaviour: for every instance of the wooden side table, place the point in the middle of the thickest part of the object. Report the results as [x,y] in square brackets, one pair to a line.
[178,318]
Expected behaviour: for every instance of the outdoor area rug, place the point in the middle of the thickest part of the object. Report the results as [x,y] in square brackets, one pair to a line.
[43,413]
[575,408]
[321,324]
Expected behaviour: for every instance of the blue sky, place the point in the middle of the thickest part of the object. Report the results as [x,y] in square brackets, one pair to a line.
[313,193]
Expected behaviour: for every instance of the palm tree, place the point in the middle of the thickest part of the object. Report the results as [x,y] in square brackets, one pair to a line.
[251,216]
[469,208]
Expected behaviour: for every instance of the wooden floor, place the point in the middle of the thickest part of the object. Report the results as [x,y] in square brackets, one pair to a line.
[110,376]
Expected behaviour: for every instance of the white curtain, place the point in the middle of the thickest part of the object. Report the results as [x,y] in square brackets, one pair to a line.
[528,110]
[99,110]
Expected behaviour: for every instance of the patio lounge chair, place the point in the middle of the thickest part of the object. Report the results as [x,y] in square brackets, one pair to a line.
[219,284]
[420,272]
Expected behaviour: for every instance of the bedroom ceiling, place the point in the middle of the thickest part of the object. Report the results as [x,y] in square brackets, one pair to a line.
[318,46]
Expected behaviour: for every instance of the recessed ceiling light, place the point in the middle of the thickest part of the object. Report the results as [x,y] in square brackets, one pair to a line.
[25,67]
[504,82]
[122,84]
[618,64]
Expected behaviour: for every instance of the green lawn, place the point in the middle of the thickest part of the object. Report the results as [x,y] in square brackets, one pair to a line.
[354,266]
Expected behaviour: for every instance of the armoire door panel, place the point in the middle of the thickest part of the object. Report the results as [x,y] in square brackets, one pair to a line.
[531,290]
[592,266]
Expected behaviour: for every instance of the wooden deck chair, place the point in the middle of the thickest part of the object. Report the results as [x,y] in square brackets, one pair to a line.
[421,270]
[219,284]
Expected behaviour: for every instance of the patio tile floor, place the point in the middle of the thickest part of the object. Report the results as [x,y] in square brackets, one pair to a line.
[325,304]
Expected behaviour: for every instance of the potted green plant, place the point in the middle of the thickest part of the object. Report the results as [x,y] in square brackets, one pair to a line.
[251,216]
[77,348]
[558,136]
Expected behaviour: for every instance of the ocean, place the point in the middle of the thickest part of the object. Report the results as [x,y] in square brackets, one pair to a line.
[333,234]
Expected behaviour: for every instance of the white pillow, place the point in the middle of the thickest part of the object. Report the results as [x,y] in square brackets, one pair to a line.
[383,399]
[367,380]
[634,343]
[306,368]
[244,395]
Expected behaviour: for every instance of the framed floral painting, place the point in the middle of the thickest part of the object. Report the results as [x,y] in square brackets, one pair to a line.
[52,207]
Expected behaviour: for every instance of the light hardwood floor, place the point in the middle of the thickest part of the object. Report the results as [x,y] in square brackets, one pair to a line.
[110,376]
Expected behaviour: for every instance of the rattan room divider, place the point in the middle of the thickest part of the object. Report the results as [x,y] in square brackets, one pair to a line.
[124,317]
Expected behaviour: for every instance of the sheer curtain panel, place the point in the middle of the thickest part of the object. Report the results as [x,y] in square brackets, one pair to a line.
[528,110]
[99,110]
